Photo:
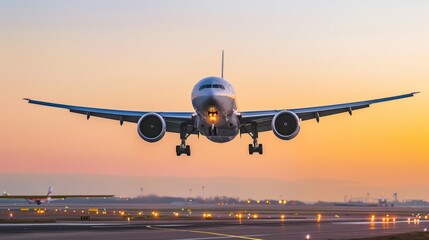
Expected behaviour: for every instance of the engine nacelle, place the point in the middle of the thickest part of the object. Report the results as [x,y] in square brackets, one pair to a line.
[151,127]
[285,125]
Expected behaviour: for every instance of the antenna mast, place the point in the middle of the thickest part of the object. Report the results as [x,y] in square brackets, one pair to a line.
[221,75]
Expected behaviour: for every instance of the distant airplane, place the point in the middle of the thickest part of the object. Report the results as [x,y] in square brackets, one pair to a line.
[39,199]
[216,116]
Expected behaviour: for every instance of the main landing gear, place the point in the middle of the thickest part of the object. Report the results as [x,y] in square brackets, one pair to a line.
[255,147]
[183,148]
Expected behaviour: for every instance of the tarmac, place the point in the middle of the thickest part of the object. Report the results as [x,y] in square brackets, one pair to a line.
[219,222]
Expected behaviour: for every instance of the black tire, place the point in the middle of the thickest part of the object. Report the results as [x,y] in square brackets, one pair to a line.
[178,151]
[188,150]
[251,150]
[260,151]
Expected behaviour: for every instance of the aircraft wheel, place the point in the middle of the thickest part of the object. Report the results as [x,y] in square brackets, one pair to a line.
[188,150]
[260,149]
[178,151]
[251,150]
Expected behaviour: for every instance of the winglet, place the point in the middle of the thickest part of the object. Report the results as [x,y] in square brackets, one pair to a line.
[26,99]
[415,93]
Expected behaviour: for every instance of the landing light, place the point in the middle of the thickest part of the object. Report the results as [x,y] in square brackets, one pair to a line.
[213,115]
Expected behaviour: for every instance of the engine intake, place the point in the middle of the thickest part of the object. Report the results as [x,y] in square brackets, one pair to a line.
[285,125]
[151,127]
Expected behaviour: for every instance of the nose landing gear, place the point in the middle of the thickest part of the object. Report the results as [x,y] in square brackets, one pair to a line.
[212,131]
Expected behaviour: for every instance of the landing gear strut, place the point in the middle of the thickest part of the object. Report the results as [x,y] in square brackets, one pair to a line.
[183,148]
[212,131]
[255,147]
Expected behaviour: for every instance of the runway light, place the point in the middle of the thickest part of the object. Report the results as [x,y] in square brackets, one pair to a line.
[282,216]
[319,217]
[409,220]
[425,230]
[255,216]
[307,236]
[372,218]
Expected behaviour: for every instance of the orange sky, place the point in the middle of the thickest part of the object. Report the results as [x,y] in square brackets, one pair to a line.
[148,55]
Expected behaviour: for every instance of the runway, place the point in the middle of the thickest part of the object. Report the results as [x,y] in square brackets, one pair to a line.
[255,224]
[199,230]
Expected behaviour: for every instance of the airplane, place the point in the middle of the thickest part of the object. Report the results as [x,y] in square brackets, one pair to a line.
[40,199]
[217,117]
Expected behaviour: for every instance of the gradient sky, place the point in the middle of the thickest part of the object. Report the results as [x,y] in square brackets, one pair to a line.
[147,55]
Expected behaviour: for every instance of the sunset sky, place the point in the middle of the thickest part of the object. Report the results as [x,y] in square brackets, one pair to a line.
[147,55]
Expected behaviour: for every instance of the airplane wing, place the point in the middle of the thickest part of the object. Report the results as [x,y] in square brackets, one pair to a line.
[264,118]
[173,120]
[54,196]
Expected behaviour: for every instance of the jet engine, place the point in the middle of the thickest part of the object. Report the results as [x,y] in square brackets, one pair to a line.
[285,125]
[151,127]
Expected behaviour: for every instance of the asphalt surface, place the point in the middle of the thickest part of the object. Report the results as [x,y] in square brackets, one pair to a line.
[261,223]
[214,229]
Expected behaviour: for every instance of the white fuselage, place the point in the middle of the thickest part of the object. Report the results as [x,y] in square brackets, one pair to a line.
[39,201]
[213,99]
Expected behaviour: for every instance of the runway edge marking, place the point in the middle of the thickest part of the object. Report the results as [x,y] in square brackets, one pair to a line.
[204,232]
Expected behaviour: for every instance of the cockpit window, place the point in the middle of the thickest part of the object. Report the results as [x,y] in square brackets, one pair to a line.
[218,86]
[212,86]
